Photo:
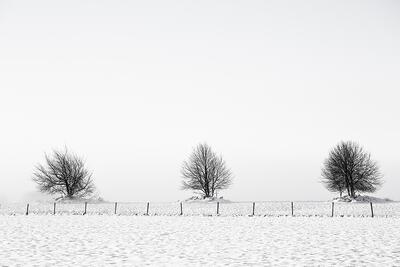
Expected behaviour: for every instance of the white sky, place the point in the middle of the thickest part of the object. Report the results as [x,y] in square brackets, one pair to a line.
[133,86]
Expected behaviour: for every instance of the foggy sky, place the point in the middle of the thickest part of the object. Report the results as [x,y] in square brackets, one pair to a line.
[133,86]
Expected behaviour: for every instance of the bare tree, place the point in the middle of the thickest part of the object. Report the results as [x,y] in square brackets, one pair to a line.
[205,172]
[65,174]
[350,168]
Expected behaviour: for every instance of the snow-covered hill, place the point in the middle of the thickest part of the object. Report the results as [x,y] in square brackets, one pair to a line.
[362,199]
[207,200]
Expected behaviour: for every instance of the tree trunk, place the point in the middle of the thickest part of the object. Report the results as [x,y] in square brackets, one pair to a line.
[348,190]
[346,179]
[353,194]
[352,191]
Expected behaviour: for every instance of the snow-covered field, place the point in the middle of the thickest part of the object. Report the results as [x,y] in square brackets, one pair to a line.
[98,240]
[389,209]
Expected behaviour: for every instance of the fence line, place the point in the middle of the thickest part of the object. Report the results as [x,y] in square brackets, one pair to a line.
[264,208]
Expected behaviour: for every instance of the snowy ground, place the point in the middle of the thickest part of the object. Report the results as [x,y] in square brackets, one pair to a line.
[100,240]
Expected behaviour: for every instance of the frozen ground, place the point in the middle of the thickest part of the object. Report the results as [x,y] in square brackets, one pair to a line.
[100,240]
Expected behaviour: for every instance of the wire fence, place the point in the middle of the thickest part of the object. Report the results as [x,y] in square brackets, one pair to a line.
[263,208]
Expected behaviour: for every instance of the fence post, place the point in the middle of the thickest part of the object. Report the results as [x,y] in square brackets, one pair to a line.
[147,209]
[217,208]
[84,213]
[333,205]
[27,209]
[54,208]
[292,209]
[115,208]
[254,207]
[372,209]
[181,209]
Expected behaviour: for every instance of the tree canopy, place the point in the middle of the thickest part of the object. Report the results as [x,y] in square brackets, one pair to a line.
[65,174]
[349,168]
[205,172]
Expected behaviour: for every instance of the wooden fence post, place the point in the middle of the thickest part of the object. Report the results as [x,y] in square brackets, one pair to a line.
[84,213]
[54,208]
[217,208]
[147,209]
[333,205]
[254,207]
[115,208]
[181,209]
[372,209]
[292,209]
[27,209]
